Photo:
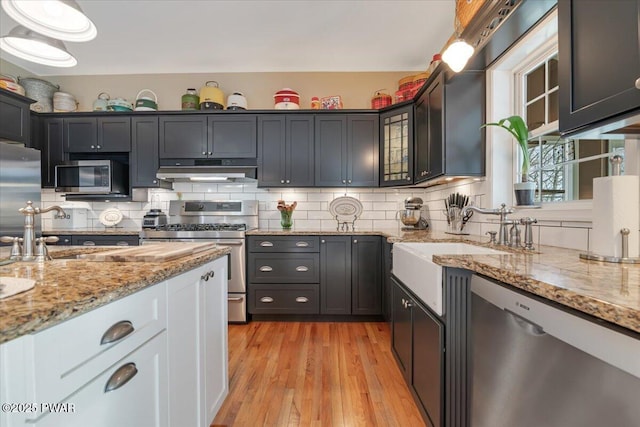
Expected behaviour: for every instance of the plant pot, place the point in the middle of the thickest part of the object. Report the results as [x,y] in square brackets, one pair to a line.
[285,219]
[525,193]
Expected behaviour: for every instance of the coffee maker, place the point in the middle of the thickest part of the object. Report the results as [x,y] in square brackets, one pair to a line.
[411,215]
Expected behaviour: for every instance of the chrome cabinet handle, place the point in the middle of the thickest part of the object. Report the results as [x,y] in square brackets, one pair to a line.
[266,244]
[302,244]
[98,147]
[638,83]
[266,268]
[408,178]
[355,241]
[117,331]
[235,299]
[323,241]
[282,181]
[120,377]
[288,182]
[302,300]
[210,152]
[349,181]
[302,268]
[266,300]
[204,153]
[344,181]
[89,243]
[407,303]
[92,147]
[208,275]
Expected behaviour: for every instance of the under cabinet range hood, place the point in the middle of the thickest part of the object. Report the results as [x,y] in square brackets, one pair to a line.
[208,170]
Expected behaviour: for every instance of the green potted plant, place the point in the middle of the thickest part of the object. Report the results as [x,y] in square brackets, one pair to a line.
[516,126]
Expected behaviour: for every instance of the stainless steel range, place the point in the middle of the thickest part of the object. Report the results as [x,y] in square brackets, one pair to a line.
[223,222]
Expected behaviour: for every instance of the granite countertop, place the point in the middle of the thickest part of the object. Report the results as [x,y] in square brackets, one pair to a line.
[607,291]
[101,231]
[66,288]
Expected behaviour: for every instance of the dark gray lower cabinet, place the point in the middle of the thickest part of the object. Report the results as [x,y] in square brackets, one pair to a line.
[335,275]
[326,275]
[351,275]
[417,342]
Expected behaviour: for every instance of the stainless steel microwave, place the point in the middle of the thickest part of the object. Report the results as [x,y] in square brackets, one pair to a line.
[92,177]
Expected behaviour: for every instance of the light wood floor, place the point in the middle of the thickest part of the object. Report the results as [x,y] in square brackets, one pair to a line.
[314,374]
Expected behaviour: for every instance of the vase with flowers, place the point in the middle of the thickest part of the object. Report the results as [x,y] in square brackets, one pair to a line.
[517,127]
[286,211]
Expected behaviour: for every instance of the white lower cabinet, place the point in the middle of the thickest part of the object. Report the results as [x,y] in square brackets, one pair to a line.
[161,351]
[197,344]
[137,397]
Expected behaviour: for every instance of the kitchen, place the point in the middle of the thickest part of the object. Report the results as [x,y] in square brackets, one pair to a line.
[566,227]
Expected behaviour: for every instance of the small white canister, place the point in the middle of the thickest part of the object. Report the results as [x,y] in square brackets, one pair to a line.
[75,218]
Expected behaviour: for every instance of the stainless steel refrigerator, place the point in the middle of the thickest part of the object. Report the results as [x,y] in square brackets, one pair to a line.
[19,182]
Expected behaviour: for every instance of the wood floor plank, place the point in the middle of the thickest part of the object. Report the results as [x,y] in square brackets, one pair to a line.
[307,374]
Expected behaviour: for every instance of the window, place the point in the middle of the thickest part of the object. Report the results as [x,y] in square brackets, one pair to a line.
[563,168]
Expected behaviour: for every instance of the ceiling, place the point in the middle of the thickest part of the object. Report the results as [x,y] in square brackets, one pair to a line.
[204,36]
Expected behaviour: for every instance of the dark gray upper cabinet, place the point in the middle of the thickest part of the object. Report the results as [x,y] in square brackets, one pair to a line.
[183,136]
[347,150]
[15,124]
[102,134]
[200,136]
[448,116]
[144,153]
[285,150]
[51,146]
[396,146]
[232,137]
[598,61]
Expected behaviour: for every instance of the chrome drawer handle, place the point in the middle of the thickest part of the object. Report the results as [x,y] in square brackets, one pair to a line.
[121,377]
[302,244]
[266,300]
[235,299]
[266,244]
[117,331]
[89,243]
[122,243]
[302,268]
[266,268]
[638,83]
[302,299]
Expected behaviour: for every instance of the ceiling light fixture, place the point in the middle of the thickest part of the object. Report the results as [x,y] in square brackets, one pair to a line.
[34,47]
[459,51]
[61,19]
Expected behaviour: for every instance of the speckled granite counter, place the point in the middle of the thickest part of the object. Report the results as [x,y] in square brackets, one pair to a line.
[66,288]
[102,231]
[607,291]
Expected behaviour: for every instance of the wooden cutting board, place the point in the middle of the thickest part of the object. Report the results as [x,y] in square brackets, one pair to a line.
[155,252]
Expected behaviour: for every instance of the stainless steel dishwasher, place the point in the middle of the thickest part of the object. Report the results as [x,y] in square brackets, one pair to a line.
[536,365]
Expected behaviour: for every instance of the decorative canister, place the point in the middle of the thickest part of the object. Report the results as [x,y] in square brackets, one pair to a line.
[380,100]
[191,100]
[237,101]
[145,103]
[40,90]
[315,103]
[100,104]
[287,99]
[211,96]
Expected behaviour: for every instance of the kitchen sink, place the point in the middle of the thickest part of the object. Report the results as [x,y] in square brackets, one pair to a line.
[413,265]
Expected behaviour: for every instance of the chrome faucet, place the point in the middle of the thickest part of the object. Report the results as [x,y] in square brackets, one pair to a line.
[502,211]
[29,239]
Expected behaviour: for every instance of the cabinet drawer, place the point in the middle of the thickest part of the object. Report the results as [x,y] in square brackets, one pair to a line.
[102,240]
[284,299]
[79,349]
[283,244]
[132,403]
[284,268]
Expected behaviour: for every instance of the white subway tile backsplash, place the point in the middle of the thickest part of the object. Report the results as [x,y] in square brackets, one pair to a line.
[574,238]
[373,197]
[202,187]
[320,197]
[217,196]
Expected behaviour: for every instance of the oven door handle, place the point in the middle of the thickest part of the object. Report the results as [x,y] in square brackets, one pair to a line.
[226,242]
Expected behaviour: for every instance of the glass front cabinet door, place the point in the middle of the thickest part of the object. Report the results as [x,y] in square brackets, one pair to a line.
[397,147]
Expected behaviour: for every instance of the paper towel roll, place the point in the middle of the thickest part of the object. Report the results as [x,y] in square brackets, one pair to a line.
[616,205]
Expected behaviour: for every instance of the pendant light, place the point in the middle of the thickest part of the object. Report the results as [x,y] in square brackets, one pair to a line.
[459,51]
[34,47]
[60,19]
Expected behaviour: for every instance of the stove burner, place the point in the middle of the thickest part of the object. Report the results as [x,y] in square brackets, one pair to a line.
[201,227]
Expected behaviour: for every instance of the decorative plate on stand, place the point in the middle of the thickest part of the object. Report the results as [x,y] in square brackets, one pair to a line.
[345,209]
[110,217]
